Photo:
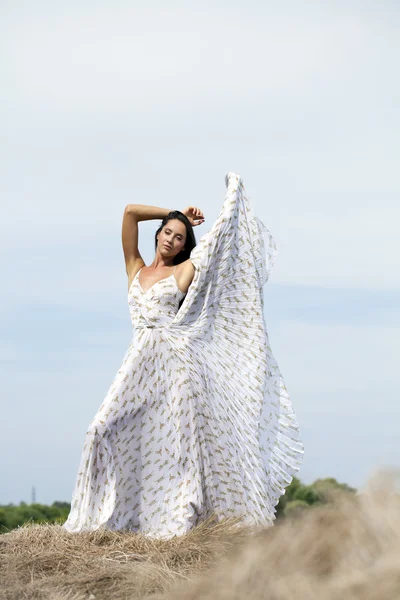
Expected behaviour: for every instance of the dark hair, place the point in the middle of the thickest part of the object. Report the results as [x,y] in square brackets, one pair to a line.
[190,237]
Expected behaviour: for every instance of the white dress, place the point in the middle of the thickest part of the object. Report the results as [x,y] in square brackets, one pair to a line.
[197,419]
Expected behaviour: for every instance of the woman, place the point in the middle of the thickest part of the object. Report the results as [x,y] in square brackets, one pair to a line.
[197,421]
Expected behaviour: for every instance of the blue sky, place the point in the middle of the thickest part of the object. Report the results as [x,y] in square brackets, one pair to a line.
[104,104]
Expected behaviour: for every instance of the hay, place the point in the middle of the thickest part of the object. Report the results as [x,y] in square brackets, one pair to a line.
[347,549]
[46,561]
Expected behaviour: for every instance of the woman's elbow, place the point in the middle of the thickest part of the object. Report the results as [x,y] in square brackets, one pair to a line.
[130,209]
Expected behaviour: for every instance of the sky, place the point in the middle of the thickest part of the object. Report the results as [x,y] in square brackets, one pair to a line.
[109,103]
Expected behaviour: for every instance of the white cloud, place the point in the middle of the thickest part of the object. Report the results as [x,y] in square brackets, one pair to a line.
[101,62]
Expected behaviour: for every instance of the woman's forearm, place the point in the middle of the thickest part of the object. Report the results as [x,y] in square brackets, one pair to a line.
[144,212]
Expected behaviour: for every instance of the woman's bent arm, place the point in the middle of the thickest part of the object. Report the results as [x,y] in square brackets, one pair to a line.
[134,213]
[144,212]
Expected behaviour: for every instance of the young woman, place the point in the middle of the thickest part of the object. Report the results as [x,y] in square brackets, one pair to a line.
[197,421]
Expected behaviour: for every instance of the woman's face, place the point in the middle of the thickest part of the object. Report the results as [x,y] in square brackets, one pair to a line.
[172,238]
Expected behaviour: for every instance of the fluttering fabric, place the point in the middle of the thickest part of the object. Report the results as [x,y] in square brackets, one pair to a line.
[198,420]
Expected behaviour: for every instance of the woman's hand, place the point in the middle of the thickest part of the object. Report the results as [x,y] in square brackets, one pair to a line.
[194,215]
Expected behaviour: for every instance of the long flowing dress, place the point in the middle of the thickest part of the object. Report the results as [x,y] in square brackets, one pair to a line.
[198,420]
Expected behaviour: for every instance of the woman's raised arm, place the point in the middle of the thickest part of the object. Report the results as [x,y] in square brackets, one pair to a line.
[134,213]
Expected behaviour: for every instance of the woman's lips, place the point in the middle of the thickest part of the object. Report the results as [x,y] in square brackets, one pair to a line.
[169,247]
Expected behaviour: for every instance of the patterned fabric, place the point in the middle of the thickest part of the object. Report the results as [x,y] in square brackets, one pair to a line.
[198,419]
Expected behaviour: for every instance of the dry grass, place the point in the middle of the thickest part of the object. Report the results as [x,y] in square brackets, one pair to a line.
[347,549]
[45,561]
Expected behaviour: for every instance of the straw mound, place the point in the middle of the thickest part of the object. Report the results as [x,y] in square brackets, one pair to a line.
[45,561]
[347,549]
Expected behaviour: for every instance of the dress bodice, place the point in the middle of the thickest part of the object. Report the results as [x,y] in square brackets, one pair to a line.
[158,305]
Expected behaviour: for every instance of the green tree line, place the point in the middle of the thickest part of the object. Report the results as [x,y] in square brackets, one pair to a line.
[298,496]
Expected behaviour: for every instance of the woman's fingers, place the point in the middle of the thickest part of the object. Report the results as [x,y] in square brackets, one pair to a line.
[196,212]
